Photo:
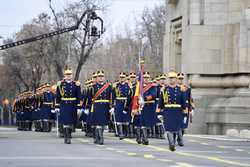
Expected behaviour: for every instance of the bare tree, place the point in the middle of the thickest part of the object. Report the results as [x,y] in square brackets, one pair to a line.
[80,40]
[152,26]
[27,63]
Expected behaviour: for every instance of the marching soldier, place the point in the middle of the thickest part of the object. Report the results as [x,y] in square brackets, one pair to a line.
[53,115]
[121,99]
[132,85]
[36,115]
[147,118]
[46,108]
[173,103]
[186,116]
[90,129]
[32,109]
[17,111]
[83,117]
[27,109]
[160,81]
[68,97]
[100,104]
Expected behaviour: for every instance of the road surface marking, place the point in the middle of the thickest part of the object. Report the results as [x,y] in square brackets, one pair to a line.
[83,140]
[234,157]
[131,154]
[239,150]
[193,155]
[182,164]
[164,160]
[120,151]
[149,156]
[205,144]
[214,152]
[109,148]
[223,146]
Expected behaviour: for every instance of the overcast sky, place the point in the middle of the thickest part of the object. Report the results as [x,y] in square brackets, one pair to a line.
[14,13]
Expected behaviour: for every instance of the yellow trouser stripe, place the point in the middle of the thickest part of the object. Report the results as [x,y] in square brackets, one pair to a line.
[121,98]
[69,99]
[101,101]
[172,105]
[151,101]
[48,103]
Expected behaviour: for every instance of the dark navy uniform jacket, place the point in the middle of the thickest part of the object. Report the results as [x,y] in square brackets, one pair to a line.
[68,97]
[173,103]
[100,106]
[148,116]
[47,105]
[122,98]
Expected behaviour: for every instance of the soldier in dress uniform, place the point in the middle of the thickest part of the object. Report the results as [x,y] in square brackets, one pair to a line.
[47,106]
[187,117]
[32,108]
[121,102]
[36,115]
[147,117]
[90,129]
[83,117]
[132,85]
[173,103]
[53,115]
[68,103]
[100,105]
[112,125]
[28,111]
[16,110]
[160,82]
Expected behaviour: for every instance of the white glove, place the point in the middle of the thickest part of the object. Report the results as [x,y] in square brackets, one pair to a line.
[86,111]
[124,112]
[160,117]
[79,112]
[185,120]
[53,111]
[112,110]
[57,110]
[192,112]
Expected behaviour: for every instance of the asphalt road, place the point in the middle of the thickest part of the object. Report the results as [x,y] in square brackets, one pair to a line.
[34,149]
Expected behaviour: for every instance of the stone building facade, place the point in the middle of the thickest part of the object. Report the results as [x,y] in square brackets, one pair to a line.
[209,40]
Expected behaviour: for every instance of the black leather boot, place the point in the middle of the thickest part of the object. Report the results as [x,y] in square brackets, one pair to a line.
[180,138]
[67,139]
[120,131]
[145,136]
[162,132]
[96,136]
[153,132]
[171,141]
[101,138]
[131,131]
[138,135]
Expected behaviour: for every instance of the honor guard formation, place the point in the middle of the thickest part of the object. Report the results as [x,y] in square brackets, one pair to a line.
[135,106]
